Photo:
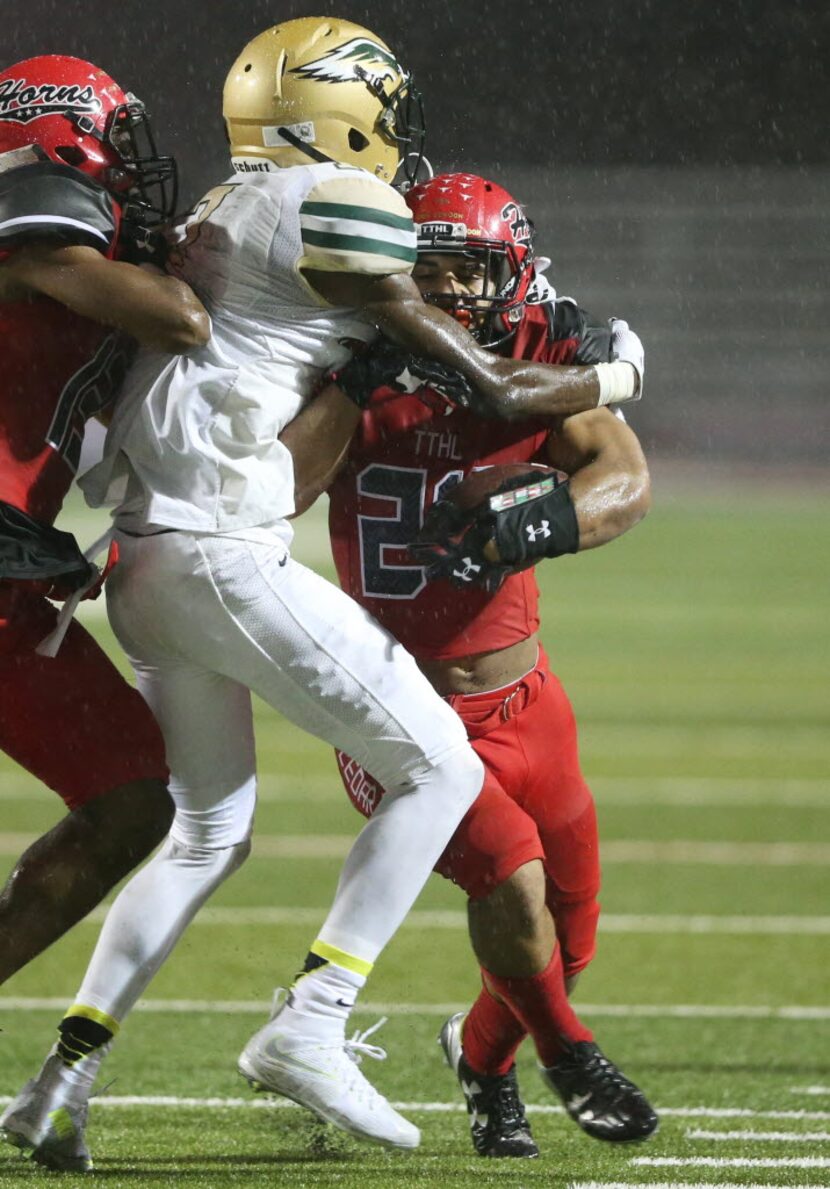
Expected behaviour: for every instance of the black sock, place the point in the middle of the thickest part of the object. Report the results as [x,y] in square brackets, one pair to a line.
[80,1037]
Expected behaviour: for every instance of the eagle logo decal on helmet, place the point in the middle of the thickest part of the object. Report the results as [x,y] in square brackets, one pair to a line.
[341,64]
[22,102]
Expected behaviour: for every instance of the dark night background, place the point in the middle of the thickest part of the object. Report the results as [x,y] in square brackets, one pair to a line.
[674,157]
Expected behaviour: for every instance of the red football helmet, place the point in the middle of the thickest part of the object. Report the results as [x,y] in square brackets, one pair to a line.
[460,212]
[79,116]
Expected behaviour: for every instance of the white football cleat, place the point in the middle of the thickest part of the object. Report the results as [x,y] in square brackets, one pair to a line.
[47,1120]
[323,1075]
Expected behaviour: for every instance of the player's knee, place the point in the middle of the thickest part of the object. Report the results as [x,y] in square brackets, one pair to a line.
[151,809]
[517,904]
[461,775]
[135,817]
[157,808]
[210,864]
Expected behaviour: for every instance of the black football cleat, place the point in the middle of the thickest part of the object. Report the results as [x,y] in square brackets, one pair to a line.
[498,1123]
[598,1098]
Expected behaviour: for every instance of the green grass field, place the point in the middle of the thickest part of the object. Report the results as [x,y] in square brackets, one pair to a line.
[696,653]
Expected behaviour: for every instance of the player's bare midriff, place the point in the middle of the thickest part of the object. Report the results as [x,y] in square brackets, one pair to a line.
[483,670]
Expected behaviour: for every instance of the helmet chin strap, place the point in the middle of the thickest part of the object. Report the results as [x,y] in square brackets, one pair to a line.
[305,147]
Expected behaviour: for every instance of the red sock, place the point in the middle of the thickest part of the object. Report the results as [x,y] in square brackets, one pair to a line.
[491,1035]
[540,1003]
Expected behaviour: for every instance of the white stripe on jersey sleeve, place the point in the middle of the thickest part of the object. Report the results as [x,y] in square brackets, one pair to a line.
[35,219]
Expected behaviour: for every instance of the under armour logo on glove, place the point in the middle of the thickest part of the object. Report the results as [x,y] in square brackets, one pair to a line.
[534,532]
[468,574]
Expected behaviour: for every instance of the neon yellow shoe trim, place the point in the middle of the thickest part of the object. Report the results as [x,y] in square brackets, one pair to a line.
[340,958]
[62,1124]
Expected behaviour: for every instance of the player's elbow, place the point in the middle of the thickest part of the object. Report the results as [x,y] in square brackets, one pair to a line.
[196,330]
[641,490]
[187,331]
[501,386]
[183,323]
[634,496]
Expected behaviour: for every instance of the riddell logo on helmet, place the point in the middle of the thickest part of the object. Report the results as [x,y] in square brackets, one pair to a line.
[341,64]
[22,102]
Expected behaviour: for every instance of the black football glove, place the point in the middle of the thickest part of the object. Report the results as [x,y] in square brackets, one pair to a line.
[527,518]
[386,365]
[138,244]
[451,545]
[42,557]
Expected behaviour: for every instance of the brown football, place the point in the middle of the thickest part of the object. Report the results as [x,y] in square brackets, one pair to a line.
[474,490]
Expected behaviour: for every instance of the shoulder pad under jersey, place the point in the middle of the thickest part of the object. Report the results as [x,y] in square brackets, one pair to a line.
[352,222]
[55,203]
[571,321]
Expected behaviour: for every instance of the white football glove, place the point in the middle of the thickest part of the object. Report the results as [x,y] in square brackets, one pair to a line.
[627,348]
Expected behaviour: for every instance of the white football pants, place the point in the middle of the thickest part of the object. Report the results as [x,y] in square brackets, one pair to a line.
[205,619]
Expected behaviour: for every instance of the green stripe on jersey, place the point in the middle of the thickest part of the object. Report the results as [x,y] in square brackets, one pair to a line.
[364,214]
[359,243]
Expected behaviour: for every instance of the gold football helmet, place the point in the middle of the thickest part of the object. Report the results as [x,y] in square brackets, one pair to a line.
[323,89]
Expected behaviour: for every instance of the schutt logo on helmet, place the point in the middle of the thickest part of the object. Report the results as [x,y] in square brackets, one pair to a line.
[22,102]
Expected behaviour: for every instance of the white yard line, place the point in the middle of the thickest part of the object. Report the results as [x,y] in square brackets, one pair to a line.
[336,846]
[449,918]
[676,923]
[438,1108]
[669,1011]
[683,1185]
[713,791]
[738,1112]
[695,1011]
[812,1091]
[731,1161]
[771,1137]
[683,791]
[768,854]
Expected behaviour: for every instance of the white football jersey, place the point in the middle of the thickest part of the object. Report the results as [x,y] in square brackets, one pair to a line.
[196,436]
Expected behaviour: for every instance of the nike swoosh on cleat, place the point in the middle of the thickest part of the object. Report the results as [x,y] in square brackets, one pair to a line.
[286,1059]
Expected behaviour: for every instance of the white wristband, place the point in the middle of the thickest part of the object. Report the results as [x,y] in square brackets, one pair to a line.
[618,382]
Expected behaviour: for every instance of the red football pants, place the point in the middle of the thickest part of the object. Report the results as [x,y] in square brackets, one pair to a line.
[535,804]
[72,720]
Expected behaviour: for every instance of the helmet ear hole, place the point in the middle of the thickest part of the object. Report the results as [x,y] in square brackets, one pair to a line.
[357,141]
[71,154]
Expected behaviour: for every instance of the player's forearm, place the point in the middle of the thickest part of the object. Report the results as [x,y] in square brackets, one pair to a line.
[160,311]
[521,389]
[610,496]
[318,439]
[508,388]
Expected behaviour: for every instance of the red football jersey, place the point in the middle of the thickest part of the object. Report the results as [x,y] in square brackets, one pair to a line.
[57,368]
[401,459]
